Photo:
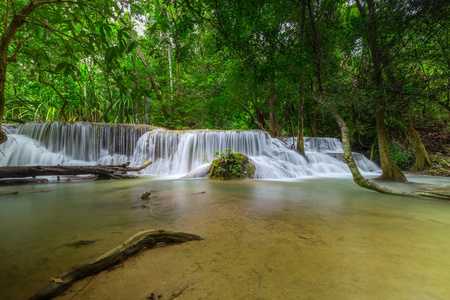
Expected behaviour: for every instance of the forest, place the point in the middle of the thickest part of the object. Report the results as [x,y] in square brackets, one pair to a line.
[286,67]
[293,93]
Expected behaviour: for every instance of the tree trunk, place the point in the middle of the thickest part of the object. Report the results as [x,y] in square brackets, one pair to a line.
[272,107]
[312,17]
[300,141]
[422,159]
[103,171]
[391,172]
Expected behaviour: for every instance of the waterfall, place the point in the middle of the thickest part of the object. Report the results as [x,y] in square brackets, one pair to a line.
[80,143]
[190,152]
[178,153]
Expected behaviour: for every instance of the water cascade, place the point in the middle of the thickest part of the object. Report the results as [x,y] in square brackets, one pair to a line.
[180,153]
[332,147]
[189,152]
[80,143]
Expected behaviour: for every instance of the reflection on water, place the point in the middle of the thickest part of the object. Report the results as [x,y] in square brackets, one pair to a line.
[319,238]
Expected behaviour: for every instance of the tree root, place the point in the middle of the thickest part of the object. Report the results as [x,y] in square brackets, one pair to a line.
[142,240]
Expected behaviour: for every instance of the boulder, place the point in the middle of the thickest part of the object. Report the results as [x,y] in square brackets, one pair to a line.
[231,166]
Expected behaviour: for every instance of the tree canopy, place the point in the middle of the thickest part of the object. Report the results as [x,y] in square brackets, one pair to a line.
[381,65]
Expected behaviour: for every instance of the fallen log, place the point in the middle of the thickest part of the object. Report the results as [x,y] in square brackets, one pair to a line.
[103,171]
[142,240]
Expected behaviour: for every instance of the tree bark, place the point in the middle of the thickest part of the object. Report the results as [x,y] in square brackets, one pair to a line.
[391,172]
[300,141]
[17,181]
[422,160]
[272,107]
[103,171]
[140,241]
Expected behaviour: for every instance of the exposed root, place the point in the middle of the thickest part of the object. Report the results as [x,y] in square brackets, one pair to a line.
[140,241]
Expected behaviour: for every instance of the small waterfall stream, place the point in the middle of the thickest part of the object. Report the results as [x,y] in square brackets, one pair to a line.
[178,153]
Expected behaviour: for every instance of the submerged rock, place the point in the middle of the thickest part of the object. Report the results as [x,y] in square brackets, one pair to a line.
[231,166]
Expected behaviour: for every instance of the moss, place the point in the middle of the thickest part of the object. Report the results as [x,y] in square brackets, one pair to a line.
[231,166]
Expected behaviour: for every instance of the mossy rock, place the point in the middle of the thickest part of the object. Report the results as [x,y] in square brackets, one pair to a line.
[231,166]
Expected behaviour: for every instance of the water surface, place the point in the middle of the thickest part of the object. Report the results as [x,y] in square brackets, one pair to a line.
[312,239]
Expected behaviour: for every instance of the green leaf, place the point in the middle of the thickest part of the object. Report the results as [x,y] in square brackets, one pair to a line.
[102,34]
[152,29]
[107,29]
[131,46]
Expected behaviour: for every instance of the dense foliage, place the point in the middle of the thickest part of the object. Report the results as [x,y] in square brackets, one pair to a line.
[234,65]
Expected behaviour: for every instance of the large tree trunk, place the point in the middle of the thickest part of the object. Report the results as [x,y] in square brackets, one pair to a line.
[103,171]
[391,172]
[422,159]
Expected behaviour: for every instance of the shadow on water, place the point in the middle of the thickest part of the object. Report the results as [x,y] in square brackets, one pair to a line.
[316,238]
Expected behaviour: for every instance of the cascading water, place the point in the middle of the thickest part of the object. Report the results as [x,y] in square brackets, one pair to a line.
[79,143]
[188,152]
[181,153]
[315,146]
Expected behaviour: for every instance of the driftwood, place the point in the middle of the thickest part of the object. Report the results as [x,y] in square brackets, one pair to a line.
[17,181]
[142,240]
[103,171]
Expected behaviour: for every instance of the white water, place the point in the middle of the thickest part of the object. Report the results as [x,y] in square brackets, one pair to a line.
[176,153]
[188,152]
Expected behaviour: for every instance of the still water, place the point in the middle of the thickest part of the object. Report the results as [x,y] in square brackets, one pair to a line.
[312,239]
